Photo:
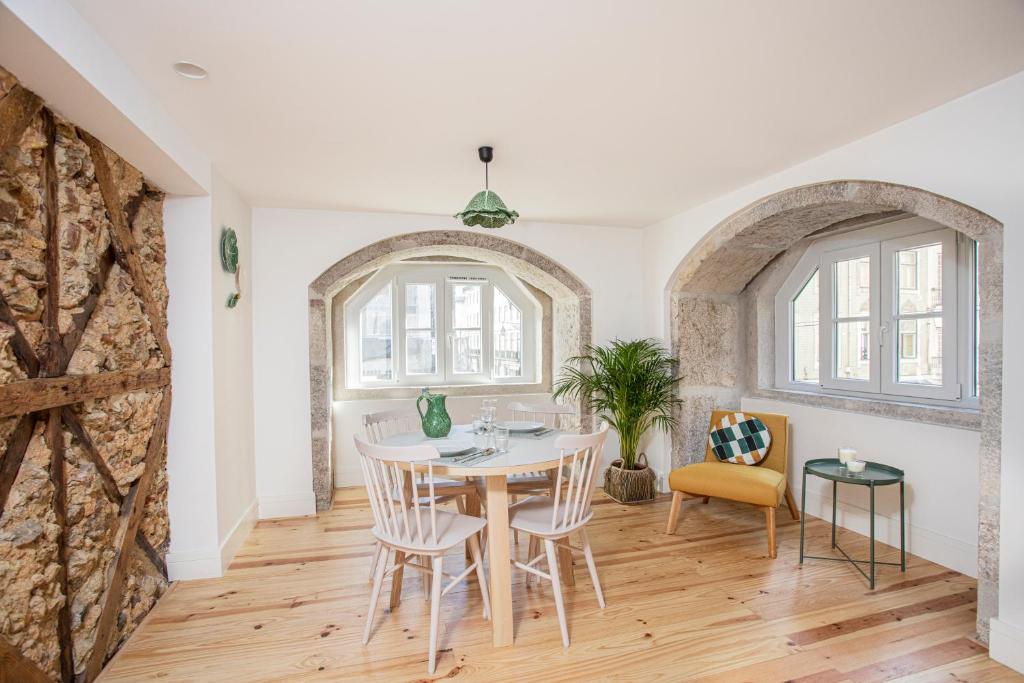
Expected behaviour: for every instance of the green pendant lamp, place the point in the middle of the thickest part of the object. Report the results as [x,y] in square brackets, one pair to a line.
[486,208]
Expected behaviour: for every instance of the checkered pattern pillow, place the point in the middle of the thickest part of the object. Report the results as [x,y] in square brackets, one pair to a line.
[740,439]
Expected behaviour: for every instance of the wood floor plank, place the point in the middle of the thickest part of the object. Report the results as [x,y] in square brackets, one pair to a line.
[705,605]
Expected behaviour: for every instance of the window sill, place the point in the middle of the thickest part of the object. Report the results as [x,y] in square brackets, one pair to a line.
[945,416]
[503,389]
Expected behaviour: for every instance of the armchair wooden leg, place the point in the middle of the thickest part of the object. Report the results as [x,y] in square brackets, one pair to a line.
[705,500]
[769,514]
[673,513]
[792,505]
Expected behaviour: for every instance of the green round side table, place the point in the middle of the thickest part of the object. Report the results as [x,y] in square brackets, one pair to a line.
[874,475]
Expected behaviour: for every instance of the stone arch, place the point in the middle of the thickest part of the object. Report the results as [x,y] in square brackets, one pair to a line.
[710,291]
[570,299]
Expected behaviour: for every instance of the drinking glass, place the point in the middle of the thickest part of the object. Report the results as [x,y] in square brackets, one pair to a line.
[501,439]
[478,424]
[487,415]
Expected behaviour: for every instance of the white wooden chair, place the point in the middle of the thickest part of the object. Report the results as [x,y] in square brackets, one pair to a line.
[381,425]
[552,415]
[411,528]
[552,519]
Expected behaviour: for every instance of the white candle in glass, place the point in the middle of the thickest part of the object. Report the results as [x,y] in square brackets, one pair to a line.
[847,454]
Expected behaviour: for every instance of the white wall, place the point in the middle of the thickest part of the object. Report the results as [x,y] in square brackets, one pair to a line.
[232,374]
[292,247]
[941,467]
[191,465]
[972,150]
[210,459]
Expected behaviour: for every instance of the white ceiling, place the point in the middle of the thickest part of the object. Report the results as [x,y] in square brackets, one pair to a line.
[607,112]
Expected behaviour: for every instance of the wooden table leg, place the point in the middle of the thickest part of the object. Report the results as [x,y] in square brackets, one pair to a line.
[497,551]
[565,569]
[473,509]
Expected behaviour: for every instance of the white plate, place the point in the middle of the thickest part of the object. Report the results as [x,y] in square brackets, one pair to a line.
[521,426]
[449,447]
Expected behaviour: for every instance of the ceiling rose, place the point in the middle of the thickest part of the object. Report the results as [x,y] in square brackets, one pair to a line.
[486,208]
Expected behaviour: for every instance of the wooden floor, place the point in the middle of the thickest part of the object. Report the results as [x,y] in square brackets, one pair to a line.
[703,605]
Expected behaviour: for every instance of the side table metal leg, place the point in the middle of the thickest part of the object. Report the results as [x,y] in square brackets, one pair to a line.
[803,513]
[903,531]
[871,579]
[835,488]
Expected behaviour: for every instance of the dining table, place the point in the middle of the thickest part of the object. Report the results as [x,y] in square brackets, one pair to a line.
[526,453]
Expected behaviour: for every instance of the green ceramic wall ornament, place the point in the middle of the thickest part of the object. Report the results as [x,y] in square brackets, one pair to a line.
[229,260]
[486,207]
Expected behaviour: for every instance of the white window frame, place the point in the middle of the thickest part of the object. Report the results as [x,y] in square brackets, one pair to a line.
[881,241]
[443,276]
[829,320]
[890,317]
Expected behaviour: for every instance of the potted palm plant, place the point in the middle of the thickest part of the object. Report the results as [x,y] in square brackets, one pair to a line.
[631,385]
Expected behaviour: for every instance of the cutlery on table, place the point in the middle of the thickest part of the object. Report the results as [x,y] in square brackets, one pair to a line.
[482,455]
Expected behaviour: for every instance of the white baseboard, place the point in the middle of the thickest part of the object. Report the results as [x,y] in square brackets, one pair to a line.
[194,564]
[931,545]
[239,532]
[1006,644]
[289,505]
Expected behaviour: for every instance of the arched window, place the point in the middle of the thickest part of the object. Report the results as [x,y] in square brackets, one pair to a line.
[887,311]
[441,324]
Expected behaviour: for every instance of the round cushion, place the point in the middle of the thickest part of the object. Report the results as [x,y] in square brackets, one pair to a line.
[740,439]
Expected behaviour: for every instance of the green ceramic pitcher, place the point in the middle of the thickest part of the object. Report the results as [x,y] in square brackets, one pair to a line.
[436,421]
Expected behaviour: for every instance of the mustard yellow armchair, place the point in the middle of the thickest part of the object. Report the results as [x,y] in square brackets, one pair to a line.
[763,485]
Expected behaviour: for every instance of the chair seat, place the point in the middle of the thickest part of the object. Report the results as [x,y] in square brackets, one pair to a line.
[452,529]
[533,515]
[743,483]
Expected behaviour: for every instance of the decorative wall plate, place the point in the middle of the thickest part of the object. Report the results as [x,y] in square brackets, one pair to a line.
[229,260]
[229,249]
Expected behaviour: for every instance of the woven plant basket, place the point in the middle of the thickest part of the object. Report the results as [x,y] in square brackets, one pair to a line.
[630,487]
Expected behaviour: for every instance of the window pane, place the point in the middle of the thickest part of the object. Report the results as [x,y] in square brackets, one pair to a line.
[467,351]
[920,352]
[466,306]
[852,288]
[805,332]
[920,279]
[508,337]
[375,337]
[853,350]
[419,306]
[420,352]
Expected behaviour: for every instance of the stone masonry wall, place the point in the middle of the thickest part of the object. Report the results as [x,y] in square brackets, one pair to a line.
[66,498]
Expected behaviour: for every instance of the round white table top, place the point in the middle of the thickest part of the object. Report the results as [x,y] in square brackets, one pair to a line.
[525,453]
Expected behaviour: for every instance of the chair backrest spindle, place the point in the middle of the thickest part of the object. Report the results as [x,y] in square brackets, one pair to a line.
[581,455]
[390,477]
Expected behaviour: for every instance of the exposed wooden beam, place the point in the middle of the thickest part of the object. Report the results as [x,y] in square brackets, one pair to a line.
[58,479]
[107,481]
[17,444]
[17,668]
[151,554]
[80,320]
[54,350]
[23,350]
[16,111]
[131,517]
[124,243]
[42,393]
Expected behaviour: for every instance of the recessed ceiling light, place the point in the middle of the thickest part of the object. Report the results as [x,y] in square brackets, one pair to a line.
[190,70]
